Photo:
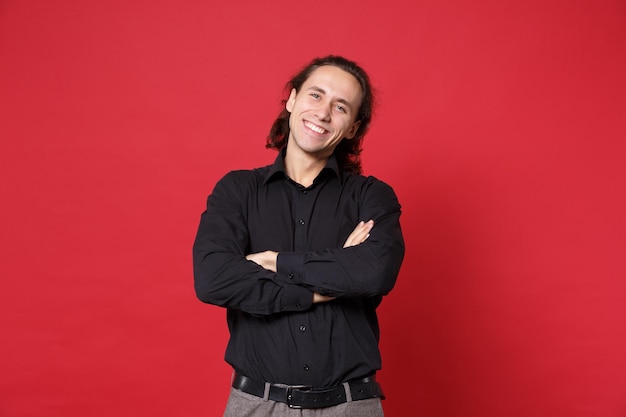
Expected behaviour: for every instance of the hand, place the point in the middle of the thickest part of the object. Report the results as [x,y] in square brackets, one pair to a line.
[360,234]
[319,298]
[266,259]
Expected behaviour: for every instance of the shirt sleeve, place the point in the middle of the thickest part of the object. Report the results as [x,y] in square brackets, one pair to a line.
[222,274]
[368,269]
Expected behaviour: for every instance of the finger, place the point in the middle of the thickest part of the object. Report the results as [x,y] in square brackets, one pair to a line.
[362,232]
[353,238]
[319,298]
[359,234]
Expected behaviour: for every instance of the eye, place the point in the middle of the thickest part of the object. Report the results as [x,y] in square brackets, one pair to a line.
[342,109]
[316,96]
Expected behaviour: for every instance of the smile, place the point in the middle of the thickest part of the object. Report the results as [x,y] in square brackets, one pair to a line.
[314,128]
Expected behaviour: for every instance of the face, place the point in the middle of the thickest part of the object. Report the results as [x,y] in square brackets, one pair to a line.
[323,112]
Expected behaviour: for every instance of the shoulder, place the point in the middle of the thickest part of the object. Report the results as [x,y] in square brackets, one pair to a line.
[366,184]
[241,181]
[245,176]
[371,192]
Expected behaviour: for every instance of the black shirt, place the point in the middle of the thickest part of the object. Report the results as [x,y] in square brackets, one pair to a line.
[276,333]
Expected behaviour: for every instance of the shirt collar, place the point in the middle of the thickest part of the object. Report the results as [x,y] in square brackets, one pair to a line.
[332,167]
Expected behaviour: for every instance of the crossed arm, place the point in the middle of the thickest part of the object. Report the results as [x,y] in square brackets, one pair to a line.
[267,259]
[269,282]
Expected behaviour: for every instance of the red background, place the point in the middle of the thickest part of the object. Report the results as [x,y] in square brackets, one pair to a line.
[502,128]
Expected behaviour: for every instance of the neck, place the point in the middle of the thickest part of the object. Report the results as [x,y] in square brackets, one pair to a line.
[303,168]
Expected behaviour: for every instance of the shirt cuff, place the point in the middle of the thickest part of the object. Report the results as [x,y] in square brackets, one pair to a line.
[289,271]
[289,267]
[296,298]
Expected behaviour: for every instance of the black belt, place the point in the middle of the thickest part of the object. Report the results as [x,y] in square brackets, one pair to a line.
[300,396]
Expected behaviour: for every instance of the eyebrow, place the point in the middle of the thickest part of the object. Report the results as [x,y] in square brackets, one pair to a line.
[321,90]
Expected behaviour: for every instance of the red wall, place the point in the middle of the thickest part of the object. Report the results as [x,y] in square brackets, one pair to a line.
[502,127]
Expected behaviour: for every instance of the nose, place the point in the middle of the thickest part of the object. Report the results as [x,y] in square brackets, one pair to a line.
[323,112]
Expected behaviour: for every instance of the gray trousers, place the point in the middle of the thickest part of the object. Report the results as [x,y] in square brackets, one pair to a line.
[241,404]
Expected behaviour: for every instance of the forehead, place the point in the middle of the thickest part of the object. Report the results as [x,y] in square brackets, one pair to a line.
[335,82]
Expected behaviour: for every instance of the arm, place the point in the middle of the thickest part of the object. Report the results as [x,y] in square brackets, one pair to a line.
[267,259]
[367,265]
[367,269]
[222,274]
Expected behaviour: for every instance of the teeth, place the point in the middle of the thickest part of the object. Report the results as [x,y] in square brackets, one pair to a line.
[314,128]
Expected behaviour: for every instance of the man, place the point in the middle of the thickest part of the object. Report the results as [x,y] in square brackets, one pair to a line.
[300,253]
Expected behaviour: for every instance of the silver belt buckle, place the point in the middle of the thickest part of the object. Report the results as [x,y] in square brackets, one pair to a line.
[290,398]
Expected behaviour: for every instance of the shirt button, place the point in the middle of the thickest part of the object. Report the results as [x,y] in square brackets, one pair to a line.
[303,328]
[298,305]
[301,222]
[306,368]
[291,276]
[305,192]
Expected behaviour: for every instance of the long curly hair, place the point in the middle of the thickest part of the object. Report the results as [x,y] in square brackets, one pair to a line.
[348,151]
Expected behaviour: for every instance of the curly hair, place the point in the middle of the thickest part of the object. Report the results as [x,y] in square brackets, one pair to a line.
[348,151]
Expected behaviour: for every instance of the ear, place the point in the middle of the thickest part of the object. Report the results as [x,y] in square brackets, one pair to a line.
[291,100]
[353,129]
